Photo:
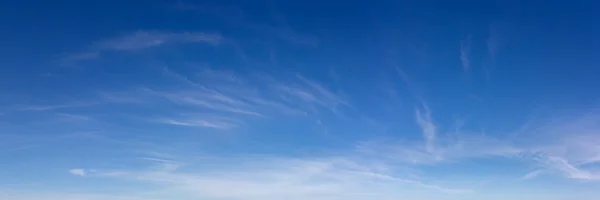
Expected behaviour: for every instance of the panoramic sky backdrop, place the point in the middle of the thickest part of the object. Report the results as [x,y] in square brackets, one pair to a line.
[297,100]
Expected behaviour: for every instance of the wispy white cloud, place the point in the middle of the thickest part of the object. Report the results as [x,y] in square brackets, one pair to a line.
[310,95]
[169,73]
[447,150]
[532,174]
[147,39]
[163,164]
[236,17]
[375,170]
[212,101]
[429,130]
[208,122]
[296,178]
[562,166]
[566,147]
[142,40]
[334,99]
[56,106]
[548,147]
[441,147]
[218,99]
[573,160]
[77,172]
[227,99]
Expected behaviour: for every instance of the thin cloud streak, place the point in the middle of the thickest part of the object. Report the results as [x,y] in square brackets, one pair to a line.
[224,100]
[232,93]
[140,40]
[223,124]
[237,18]
[274,178]
[147,39]
[532,174]
[57,106]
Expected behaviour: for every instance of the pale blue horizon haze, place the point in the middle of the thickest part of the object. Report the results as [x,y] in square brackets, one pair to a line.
[323,100]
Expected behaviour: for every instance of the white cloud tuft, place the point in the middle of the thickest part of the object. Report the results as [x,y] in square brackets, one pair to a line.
[77,172]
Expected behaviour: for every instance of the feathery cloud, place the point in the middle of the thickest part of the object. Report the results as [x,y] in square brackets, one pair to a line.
[227,99]
[218,99]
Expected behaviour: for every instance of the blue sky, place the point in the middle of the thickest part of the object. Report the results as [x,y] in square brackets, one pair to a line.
[244,100]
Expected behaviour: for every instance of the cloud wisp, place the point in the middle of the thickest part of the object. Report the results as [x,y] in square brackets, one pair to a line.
[208,122]
[236,17]
[216,99]
[570,149]
[226,100]
[429,130]
[140,40]
[348,177]
[148,39]
[213,99]
[77,172]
